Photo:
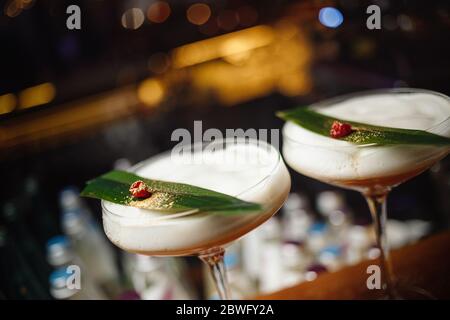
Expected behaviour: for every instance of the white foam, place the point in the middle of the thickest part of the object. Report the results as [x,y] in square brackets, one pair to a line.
[329,159]
[265,181]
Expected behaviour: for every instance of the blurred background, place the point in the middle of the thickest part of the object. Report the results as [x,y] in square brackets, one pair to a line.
[77,103]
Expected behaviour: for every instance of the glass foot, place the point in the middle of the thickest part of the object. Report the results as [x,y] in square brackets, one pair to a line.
[406,291]
[411,292]
[214,260]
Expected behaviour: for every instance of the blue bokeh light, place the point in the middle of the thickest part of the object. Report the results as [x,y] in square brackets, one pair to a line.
[330,17]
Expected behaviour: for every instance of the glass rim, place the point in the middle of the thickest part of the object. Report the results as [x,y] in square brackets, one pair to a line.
[195,145]
[344,145]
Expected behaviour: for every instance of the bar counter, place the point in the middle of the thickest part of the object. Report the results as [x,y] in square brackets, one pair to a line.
[425,264]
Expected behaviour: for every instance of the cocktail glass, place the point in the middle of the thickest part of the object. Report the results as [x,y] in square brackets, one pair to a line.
[378,168]
[249,169]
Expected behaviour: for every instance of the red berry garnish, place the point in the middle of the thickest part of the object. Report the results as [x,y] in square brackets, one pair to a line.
[139,190]
[340,130]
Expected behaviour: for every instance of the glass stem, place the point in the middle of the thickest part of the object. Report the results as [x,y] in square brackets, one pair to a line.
[214,260]
[377,206]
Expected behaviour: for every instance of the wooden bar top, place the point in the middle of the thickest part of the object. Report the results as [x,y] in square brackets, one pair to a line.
[425,264]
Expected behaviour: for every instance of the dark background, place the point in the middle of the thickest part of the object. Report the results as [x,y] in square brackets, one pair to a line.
[411,50]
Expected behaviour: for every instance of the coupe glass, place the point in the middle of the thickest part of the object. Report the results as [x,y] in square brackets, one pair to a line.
[375,188]
[201,233]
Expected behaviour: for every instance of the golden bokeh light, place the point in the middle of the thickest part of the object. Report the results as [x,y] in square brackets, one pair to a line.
[218,47]
[12,9]
[37,95]
[294,84]
[151,92]
[7,103]
[158,12]
[250,63]
[132,18]
[228,69]
[198,13]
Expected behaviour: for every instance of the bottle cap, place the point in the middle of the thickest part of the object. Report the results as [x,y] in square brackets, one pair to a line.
[332,250]
[317,228]
[313,271]
[329,201]
[59,251]
[58,278]
[73,222]
[58,284]
[146,263]
[69,198]
[296,201]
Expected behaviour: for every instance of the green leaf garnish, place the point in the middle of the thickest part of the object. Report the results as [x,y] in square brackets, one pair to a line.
[363,133]
[165,196]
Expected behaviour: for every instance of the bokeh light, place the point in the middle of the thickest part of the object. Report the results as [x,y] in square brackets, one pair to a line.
[14,7]
[198,13]
[7,103]
[37,95]
[405,22]
[158,12]
[151,92]
[133,18]
[330,17]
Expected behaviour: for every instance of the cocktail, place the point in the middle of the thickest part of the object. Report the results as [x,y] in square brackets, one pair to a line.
[246,169]
[343,158]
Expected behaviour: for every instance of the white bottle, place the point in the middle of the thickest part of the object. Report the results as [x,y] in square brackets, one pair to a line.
[331,257]
[59,289]
[358,241]
[331,205]
[89,241]
[318,237]
[153,278]
[61,256]
[271,260]
[296,218]
[295,261]
[241,285]
[251,246]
